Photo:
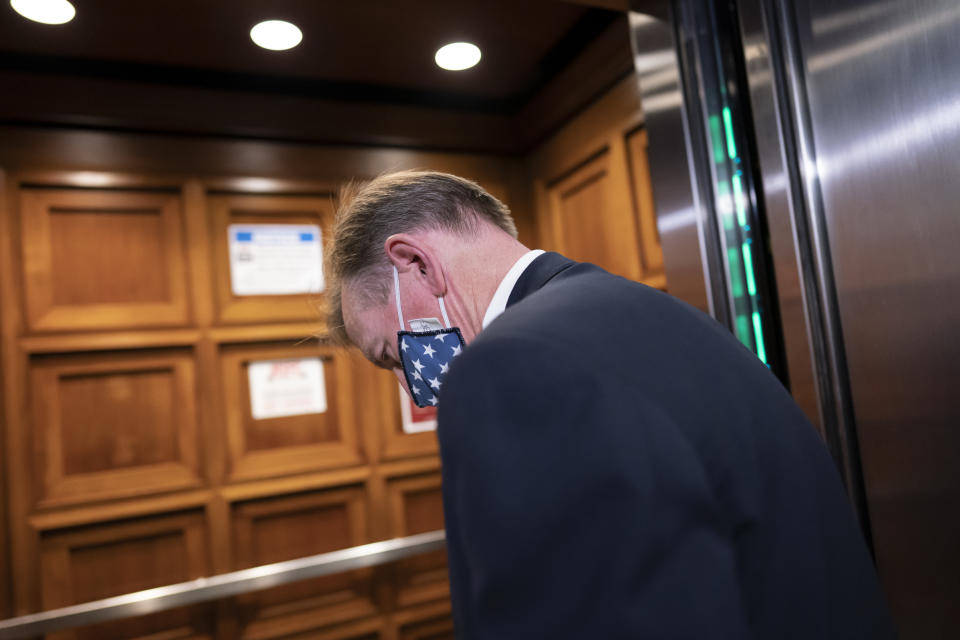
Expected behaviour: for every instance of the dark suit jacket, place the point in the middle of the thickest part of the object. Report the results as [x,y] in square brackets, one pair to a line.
[617,465]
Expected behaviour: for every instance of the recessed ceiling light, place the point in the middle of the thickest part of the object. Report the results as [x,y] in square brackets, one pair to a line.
[457,56]
[45,11]
[276,35]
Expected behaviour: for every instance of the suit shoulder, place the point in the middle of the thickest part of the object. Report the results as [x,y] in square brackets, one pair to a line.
[585,299]
[502,350]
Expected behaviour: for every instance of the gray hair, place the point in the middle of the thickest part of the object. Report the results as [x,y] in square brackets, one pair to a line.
[399,202]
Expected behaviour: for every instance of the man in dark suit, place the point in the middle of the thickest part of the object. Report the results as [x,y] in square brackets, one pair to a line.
[615,464]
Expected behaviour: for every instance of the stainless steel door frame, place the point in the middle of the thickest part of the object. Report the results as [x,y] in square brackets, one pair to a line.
[856,109]
[775,187]
[803,259]
[677,99]
[680,214]
[725,227]
[877,94]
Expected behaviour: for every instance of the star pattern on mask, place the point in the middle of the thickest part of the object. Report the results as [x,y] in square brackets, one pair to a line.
[426,362]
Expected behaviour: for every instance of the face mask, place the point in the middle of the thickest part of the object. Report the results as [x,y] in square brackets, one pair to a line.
[426,351]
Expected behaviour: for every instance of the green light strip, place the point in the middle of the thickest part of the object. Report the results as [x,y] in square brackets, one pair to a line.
[716,138]
[748,267]
[728,125]
[736,282]
[758,335]
[743,331]
[738,200]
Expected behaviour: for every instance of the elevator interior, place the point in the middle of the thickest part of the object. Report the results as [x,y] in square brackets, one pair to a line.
[138,140]
[800,161]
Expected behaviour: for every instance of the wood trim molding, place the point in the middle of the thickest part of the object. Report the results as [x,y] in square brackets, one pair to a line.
[17,479]
[132,106]
[85,515]
[292,484]
[7,342]
[108,341]
[52,155]
[433,620]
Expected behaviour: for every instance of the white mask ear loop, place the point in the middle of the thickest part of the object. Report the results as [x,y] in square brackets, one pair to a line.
[443,311]
[396,294]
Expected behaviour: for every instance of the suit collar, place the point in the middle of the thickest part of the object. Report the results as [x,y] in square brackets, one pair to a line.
[540,271]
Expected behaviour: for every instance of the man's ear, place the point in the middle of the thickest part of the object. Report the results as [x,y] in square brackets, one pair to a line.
[410,253]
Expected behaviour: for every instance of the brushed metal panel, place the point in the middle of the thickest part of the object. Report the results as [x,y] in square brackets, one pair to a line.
[812,246]
[882,79]
[677,209]
[775,187]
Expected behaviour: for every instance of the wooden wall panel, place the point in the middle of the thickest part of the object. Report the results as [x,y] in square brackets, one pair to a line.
[261,209]
[416,506]
[9,388]
[365,630]
[285,445]
[432,622]
[579,207]
[277,528]
[114,424]
[592,189]
[170,347]
[115,292]
[93,562]
[72,282]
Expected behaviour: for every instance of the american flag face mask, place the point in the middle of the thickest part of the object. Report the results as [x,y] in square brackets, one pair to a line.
[426,351]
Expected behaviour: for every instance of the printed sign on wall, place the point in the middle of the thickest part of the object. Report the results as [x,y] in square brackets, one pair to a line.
[416,419]
[281,388]
[275,259]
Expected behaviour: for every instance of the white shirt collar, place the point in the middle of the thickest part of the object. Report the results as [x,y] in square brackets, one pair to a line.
[499,302]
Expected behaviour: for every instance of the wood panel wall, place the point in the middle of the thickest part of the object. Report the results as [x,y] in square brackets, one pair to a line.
[591,184]
[130,452]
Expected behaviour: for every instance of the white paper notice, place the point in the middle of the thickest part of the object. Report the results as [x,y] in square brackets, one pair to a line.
[286,388]
[275,259]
